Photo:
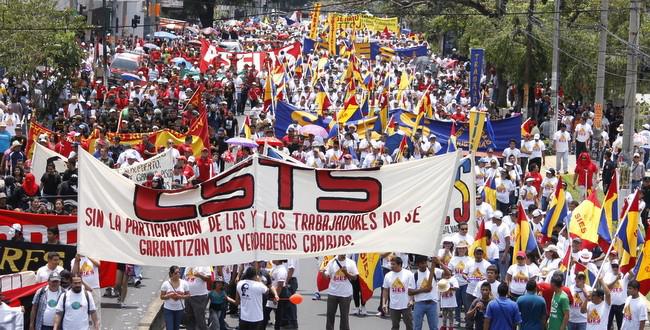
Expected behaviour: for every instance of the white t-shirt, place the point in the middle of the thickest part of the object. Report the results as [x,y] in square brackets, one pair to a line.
[458,266]
[43,273]
[278,274]
[340,286]
[448,299]
[562,141]
[171,304]
[89,272]
[597,315]
[508,151]
[634,312]
[499,234]
[483,213]
[504,188]
[250,294]
[579,297]
[548,186]
[492,251]
[583,132]
[422,278]
[398,285]
[76,309]
[520,275]
[476,272]
[197,286]
[51,300]
[619,291]
[536,148]
[494,286]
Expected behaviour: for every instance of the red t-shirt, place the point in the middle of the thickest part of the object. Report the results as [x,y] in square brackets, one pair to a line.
[188,171]
[586,174]
[205,168]
[458,116]
[547,292]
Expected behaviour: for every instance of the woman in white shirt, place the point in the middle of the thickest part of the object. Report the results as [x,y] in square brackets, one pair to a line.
[174,292]
[458,265]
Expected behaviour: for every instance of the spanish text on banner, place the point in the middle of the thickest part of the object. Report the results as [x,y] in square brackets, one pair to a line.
[265,209]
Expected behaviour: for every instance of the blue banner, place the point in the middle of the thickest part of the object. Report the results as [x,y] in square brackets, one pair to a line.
[475,74]
[497,135]
[287,114]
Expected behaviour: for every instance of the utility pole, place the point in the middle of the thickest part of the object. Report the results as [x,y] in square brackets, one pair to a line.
[599,100]
[107,23]
[146,29]
[529,60]
[555,78]
[629,115]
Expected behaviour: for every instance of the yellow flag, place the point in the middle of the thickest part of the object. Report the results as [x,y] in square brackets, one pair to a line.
[476,123]
[315,18]
[331,41]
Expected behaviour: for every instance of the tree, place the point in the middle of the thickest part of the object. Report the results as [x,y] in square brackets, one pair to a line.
[502,30]
[35,35]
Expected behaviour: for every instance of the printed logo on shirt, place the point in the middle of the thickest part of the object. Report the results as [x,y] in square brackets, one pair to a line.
[627,312]
[617,287]
[51,303]
[577,300]
[87,269]
[75,305]
[339,276]
[476,275]
[460,268]
[593,317]
[398,286]
[520,277]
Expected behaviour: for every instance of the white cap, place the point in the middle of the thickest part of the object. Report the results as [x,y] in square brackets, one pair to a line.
[536,137]
[191,159]
[537,213]
[497,214]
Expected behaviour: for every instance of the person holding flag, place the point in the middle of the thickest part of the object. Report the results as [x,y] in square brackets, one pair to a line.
[426,294]
[580,292]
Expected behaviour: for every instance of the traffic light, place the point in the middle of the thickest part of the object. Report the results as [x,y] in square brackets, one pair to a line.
[135,21]
[82,8]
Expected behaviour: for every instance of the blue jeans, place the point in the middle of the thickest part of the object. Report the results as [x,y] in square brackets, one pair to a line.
[577,326]
[421,309]
[173,318]
[461,300]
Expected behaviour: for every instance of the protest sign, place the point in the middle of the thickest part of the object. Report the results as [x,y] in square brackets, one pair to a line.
[35,226]
[23,256]
[263,209]
[39,161]
[359,22]
[161,163]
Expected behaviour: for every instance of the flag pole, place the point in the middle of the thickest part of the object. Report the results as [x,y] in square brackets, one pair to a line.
[614,238]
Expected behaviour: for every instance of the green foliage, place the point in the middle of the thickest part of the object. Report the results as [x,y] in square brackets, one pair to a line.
[478,24]
[33,33]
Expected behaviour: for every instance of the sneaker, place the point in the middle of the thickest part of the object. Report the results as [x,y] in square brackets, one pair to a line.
[137,283]
[362,310]
[108,293]
[316,296]
[354,311]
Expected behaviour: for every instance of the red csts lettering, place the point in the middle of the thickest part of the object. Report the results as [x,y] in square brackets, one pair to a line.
[146,206]
[326,182]
[244,183]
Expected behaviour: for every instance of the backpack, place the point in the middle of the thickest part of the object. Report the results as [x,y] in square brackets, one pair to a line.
[65,295]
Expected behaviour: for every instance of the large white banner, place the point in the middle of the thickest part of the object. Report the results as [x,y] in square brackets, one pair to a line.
[161,163]
[462,207]
[263,209]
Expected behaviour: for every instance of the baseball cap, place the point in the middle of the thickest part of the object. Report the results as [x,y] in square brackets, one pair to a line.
[54,276]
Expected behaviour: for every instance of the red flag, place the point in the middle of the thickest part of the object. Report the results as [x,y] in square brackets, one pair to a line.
[208,54]
[15,295]
[107,272]
[199,127]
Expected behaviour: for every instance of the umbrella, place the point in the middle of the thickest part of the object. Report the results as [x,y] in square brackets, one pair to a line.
[270,140]
[164,35]
[130,77]
[150,46]
[208,30]
[314,130]
[179,60]
[240,141]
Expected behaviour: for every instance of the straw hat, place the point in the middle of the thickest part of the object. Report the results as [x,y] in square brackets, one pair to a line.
[443,285]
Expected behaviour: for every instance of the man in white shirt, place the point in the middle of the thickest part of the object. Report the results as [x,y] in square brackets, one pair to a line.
[292,286]
[501,237]
[53,260]
[476,272]
[426,295]
[339,292]
[88,269]
[511,150]
[561,141]
[583,133]
[635,312]
[44,304]
[74,307]
[396,285]
[536,149]
[249,296]
[196,304]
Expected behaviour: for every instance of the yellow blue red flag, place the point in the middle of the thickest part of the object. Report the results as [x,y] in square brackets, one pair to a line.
[524,237]
[584,221]
[557,210]
[643,266]
[370,274]
[629,227]
[608,215]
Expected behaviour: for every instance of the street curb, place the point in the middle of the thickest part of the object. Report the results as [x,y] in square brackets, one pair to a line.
[151,319]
